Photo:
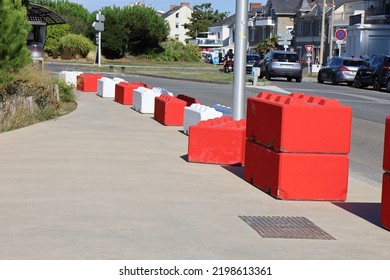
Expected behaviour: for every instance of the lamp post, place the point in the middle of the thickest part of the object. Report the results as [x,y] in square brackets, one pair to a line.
[331,32]
[240,45]
[322,34]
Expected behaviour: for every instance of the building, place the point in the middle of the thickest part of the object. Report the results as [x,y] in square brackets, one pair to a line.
[369,29]
[177,16]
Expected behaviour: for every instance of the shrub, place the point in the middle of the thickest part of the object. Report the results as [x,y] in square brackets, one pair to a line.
[54,34]
[173,50]
[66,92]
[72,45]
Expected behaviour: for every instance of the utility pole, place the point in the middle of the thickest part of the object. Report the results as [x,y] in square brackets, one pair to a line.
[99,26]
[322,34]
[331,32]
[240,45]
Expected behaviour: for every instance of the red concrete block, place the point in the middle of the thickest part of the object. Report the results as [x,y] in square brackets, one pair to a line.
[299,123]
[88,82]
[219,141]
[386,149]
[124,92]
[169,110]
[188,99]
[297,176]
[385,205]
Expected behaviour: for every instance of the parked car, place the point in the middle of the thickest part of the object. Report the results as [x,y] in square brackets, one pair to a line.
[285,64]
[251,59]
[376,73]
[340,70]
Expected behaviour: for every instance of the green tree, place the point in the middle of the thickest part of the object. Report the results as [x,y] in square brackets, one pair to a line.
[202,17]
[14,29]
[134,30]
[268,44]
[144,28]
[54,34]
[114,37]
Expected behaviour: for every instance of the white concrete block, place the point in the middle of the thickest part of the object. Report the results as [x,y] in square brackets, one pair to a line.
[196,113]
[106,86]
[143,99]
[70,77]
[226,111]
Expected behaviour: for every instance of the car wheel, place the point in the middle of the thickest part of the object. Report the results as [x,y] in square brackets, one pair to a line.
[375,84]
[298,80]
[334,82]
[319,80]
[289,79]
[357,83]
[388,85]
[261,75]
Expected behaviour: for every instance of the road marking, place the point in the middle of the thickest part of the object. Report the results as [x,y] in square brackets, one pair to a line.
[368,98]
[271,88]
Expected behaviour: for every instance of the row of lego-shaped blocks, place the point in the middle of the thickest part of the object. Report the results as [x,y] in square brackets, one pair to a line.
[124,92]
[299,123]
[296,176]
[218,141]
[88,82]
[169,110]
[144,98]
[106,86]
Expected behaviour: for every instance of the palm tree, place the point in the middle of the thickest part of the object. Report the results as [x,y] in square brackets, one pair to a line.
[268,44]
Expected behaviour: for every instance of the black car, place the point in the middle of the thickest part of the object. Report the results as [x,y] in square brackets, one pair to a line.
[251,59]
[375,74]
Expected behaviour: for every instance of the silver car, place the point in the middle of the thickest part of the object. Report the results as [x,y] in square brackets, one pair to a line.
[283,64]
[340,70]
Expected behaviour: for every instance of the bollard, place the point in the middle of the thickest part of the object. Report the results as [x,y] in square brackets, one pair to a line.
[255,75]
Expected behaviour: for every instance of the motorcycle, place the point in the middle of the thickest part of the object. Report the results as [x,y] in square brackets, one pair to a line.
[228,67]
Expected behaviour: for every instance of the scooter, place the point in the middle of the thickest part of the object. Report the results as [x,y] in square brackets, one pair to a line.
[228,67]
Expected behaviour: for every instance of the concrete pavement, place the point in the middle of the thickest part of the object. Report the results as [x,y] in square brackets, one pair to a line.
[106,182]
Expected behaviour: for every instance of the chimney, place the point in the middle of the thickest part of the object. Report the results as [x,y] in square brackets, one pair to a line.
[171,7]
[254,7]
[182,4]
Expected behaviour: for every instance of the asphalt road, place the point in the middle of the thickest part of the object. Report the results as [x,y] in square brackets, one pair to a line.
[370,109]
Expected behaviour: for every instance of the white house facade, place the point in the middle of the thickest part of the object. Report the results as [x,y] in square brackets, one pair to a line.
[177,16]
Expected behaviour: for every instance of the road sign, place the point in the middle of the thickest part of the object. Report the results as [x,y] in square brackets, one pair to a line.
[341,34]
[99,26]
[309,48]
[215,60]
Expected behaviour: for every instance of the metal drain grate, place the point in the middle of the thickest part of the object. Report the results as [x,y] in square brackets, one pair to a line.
[285,227]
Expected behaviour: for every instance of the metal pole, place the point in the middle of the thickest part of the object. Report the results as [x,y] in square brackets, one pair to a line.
[240,44]
[322,34]
[331,32]
[100,47]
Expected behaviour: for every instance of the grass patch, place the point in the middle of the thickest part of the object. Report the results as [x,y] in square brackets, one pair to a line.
[30,98]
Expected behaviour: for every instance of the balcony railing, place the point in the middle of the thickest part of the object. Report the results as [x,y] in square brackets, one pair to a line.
[268,21]
[205,42]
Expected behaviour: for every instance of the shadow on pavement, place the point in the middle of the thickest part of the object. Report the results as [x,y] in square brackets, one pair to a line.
[237,170]
[370,211]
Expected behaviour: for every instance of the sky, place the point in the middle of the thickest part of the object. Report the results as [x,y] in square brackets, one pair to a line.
[220,5]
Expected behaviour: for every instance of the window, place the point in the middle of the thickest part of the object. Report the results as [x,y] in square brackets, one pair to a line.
[177,25]
[177,15]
